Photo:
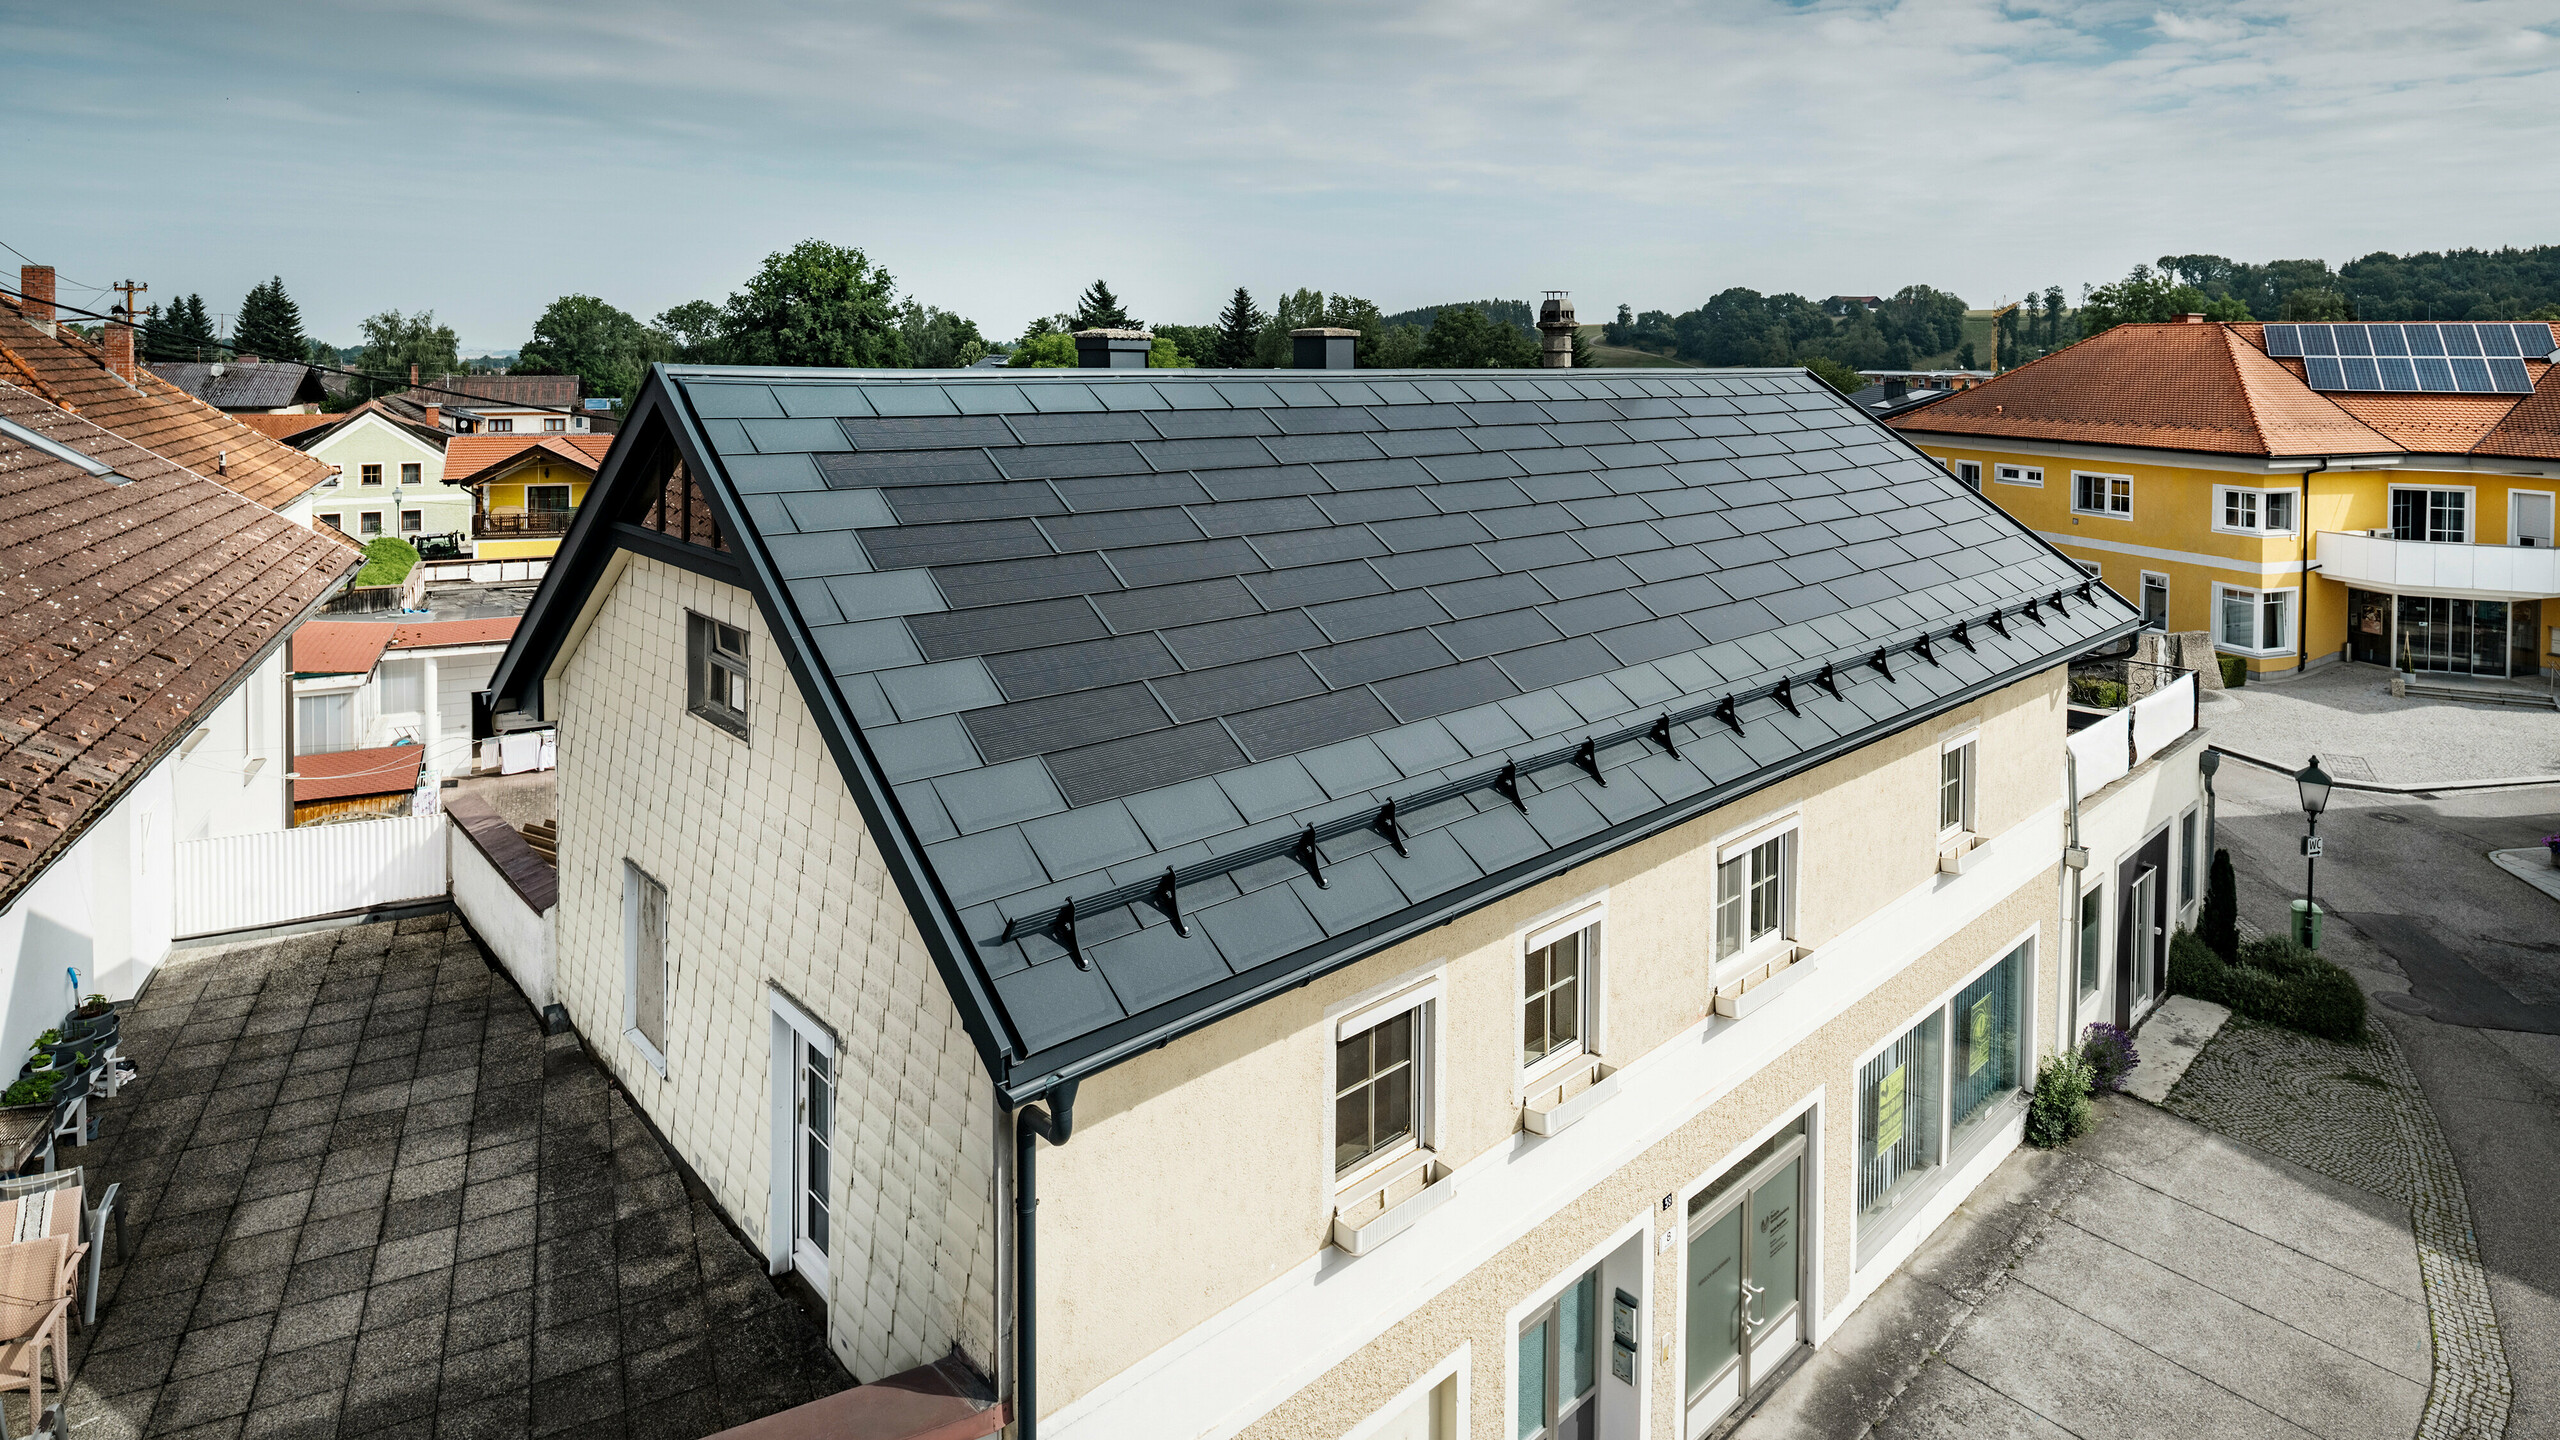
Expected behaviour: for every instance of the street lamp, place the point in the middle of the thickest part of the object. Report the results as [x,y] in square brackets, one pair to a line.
[2207,763]
[2314,782]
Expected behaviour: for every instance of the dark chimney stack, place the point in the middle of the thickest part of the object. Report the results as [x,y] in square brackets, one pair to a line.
[1322,348]
[1555,323]
[35,287]
[1897,388]
[1113,349]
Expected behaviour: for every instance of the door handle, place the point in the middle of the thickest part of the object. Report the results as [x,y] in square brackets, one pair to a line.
[1750,1299]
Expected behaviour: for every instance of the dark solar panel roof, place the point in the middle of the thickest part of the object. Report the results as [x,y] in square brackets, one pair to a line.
[1097,626]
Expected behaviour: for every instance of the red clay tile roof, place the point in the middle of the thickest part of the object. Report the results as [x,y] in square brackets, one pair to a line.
[2164,387]
[285,427]
[2532,429]
[339,647]
[126,613]
[456,632]
[469,459]
[343,774]
[2429,424]
[153,414]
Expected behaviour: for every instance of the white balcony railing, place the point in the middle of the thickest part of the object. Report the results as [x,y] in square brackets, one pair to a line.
[2487,572]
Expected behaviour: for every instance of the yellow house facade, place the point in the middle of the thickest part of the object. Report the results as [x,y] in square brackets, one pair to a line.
[525,489]
[2221,489]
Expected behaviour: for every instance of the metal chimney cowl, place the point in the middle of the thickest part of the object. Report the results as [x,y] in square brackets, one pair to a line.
[1113,349]
[1556,326]
[1323,347]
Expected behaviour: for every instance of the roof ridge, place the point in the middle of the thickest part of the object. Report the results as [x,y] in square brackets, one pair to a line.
[2249,392]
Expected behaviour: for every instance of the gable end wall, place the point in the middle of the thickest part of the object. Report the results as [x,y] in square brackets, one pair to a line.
[772,879]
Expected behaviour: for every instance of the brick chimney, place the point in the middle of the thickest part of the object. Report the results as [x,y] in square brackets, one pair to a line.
[1325,347]
[1555,324]
[119,347]
[2193,317]
[1113,349]
[413,377]
[435,416]
[35,287]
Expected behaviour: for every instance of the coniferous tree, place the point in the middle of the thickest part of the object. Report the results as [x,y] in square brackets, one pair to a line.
[183,332]
[270,324]
[1098,309]
[1239,327]
[2219,926]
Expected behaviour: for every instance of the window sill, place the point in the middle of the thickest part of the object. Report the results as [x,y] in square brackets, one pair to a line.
[2103,514]
[1754,987]
[1562,1100]
[1388,1203]
[1960,853]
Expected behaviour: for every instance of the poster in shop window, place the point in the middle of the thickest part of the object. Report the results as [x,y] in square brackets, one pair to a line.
[1889,1110]
[1978,1043]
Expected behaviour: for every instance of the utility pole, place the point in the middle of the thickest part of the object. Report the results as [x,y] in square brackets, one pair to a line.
[130,290]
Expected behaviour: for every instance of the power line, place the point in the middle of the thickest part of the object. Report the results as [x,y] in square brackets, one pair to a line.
[202,343]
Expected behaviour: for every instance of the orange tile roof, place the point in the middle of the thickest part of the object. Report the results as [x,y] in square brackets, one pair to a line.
[154,414]
[342,774]
[2429,424]
[2532,429]
[469,459]
[340,647]
[282,427]
[455,632]
[2164,387]
[126,612]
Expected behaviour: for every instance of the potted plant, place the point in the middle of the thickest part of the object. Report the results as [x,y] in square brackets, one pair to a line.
[28,1091]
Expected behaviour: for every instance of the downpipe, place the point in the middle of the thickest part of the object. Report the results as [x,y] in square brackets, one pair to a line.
[2075,862]
[1031,1125]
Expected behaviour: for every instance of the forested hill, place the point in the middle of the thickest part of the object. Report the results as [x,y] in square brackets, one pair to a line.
[2453,285]
[1517,313]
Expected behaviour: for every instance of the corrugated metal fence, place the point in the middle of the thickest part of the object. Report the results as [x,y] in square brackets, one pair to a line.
[243,882]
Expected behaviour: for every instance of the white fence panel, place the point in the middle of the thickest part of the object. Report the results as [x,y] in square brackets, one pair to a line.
[2163,716]
[242,882]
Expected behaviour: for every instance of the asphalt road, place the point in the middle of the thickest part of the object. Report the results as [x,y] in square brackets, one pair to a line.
[2463,961]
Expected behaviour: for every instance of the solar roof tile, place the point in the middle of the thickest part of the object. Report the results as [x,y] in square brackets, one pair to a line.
[1469,598]
[1117,529]
[1379,657]
[1126,492]
[1160,606]
[1297,726]
[1226,642]
[853,470]
[1007,582]
[1169,564]
[936,432]
[1376,614]
[1072,429]
[1433,693]
[1145,762]
[1062,721]
[985,631]
[1602,611]
[1055,669]
[1362,506]
[1494,634]
[1314,584]
[1233,689]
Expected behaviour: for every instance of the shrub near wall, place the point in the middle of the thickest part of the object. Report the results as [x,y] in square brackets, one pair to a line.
[2274,981]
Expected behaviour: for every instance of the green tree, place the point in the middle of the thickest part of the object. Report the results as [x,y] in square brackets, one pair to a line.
[1621,331]
[393,342]
[1400,347]
[2316,305]
[1836,375]
[1200,342]
[1046,350]
[2547,312]
[815,304]
[1465,338]
[1239,327]
[938,339]
[184,333]
[1964,356]
[2219,925]
[688,333]
[1165,355]
[2148,296]
[270,324]
[607,349]
[1098,309]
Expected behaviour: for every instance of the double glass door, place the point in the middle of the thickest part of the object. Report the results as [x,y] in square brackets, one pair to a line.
[2460,637]
[1745,1286]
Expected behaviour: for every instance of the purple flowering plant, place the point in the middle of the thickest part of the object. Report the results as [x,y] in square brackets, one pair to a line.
[2109,1054]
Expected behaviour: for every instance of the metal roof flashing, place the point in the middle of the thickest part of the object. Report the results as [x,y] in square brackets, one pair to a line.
[1075,634]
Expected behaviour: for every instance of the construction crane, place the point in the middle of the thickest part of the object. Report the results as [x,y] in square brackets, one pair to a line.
[1995,333]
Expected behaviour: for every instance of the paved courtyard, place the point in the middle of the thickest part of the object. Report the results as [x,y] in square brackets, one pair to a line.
[2346,715]
[367,1196]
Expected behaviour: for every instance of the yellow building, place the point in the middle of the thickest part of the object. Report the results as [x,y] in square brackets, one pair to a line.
[525,488]
[2378,493]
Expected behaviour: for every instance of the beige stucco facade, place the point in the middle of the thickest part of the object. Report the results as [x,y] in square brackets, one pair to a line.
[772,881]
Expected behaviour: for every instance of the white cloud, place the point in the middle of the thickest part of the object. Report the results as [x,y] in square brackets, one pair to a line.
[486,157]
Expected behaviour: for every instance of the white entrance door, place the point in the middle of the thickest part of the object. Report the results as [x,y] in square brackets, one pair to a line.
[2146,930]
[813,1122]
[1745,1286]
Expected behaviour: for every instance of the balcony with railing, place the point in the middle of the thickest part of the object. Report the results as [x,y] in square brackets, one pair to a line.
[2377,560]
[520,524]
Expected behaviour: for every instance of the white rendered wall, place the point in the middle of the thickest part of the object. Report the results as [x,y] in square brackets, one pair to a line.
[232,781]
[521,939]
[102,907]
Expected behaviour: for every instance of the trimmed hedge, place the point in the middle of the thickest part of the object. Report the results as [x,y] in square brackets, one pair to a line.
[2274,981]
[2235,671]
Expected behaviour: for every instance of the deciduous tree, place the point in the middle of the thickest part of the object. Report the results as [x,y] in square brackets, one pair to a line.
[607,349]
[815,304]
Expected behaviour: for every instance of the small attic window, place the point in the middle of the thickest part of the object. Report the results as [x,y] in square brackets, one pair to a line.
[716,672]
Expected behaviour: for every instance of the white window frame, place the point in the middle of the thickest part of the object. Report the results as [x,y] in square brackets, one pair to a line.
[2470,510]
[2092,569]
[1453,1369]
[2029,475]
[2549,498]
[1788,831]
[1426,997]
[1968,473]
[2168,596]
[1969,788]
[1868,1251]
[1588,1041]
[791,1024]
[2292,600]
[633,880]
[2260,500]
[707,660]
[2195,875]
[2089,890]
[2109,509]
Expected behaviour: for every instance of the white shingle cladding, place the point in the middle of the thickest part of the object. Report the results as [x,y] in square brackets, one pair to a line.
[772,878]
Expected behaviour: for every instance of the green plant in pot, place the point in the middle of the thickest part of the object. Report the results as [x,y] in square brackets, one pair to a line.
[29,1090]
[94,1006]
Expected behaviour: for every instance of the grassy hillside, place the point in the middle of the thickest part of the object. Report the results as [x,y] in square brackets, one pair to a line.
[1622,357]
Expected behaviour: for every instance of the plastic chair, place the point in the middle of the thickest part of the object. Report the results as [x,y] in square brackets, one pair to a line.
[92,1220]
[32,1316]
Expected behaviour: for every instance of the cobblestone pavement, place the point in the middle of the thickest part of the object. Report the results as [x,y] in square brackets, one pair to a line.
[2348,710]
[2355,1113]
[365,1195]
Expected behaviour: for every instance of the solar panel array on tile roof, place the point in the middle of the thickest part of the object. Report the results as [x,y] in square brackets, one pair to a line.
[1096,629]
[2442,358]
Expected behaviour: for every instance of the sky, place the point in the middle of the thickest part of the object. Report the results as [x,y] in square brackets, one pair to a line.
[478,159]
